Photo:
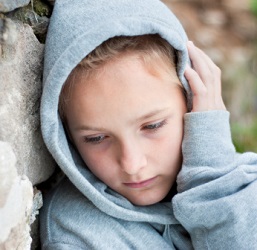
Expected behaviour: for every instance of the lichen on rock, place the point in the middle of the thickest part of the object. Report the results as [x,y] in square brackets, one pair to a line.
[28,15]
[41,8]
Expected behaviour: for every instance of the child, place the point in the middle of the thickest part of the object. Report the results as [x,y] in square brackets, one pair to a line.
[149,163]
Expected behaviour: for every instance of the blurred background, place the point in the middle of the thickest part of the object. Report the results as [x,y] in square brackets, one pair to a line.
[227,31]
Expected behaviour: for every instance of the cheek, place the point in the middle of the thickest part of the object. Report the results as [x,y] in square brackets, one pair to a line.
[90,157]
[174,135]
[100,164]
[168,148]
[172,146]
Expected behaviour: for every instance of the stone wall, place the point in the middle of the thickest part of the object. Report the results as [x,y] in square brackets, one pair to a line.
[24,160]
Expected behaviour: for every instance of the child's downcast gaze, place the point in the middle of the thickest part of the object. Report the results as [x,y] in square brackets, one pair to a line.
[124,113]
[133,114]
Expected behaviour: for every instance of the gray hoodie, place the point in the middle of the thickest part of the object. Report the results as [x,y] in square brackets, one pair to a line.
[216,203]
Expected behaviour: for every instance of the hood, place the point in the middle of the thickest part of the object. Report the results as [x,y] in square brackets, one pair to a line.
[76,28]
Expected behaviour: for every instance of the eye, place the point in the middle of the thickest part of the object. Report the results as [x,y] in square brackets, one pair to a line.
[94,139]
[154,126]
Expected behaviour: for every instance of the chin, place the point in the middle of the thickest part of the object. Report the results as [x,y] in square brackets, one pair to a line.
[146,201]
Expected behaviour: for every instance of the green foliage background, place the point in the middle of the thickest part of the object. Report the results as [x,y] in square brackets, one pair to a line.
[254,6]
[245,136]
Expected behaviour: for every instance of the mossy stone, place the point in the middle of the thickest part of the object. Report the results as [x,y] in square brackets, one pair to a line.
[41,8]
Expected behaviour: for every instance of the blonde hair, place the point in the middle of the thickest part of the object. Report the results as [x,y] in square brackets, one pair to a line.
[152,49]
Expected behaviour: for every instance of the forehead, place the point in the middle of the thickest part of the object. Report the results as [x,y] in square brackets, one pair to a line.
[151,63]
[123,89]
[155,63]
[129,71]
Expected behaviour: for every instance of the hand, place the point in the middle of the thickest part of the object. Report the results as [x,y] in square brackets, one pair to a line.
[204,79]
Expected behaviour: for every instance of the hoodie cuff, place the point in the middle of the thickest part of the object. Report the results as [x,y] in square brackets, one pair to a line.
[207,139]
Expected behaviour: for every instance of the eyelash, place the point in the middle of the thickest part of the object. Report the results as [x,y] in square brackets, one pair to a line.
[155,126]
[94,140]
[151,127]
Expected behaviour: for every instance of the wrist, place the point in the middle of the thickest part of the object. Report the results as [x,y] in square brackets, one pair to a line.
[207,138]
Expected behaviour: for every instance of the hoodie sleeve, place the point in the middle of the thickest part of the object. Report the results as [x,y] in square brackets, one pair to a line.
[216,200]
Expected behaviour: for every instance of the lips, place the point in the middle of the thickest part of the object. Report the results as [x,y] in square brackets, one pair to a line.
[140,184]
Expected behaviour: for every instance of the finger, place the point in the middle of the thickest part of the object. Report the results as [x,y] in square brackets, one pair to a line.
[207,70]
[201,63]
[200,94]
[204,80]
[203,99]
[194,80]
[197,53]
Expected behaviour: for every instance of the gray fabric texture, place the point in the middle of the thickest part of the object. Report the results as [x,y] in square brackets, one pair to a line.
[216,204]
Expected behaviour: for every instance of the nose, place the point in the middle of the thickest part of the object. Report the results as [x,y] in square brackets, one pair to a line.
[132,157]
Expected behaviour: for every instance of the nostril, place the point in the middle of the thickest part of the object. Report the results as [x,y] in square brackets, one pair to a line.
[133,165]
[132,157]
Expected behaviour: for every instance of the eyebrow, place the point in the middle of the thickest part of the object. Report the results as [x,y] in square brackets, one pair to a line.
[151,114]
[141,118]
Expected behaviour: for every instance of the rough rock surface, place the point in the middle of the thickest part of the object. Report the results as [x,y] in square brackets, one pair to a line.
[36,15]
[16,195]
[9,5]
[8,34]
[20,90]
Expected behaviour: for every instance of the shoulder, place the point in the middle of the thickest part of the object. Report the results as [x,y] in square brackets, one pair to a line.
[69,220]
[65,198]
[65,215]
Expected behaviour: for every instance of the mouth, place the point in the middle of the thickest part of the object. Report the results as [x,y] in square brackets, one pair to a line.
[140,184]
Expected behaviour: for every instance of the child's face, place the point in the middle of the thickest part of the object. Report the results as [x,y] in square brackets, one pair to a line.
[127,124]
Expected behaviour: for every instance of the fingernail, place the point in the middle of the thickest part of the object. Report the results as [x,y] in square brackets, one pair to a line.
[191,43]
